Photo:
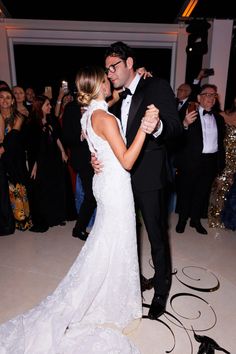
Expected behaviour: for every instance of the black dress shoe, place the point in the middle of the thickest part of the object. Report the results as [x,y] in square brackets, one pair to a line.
[158,307]
[180,227]
[146,284]
[198,226]
[82,235]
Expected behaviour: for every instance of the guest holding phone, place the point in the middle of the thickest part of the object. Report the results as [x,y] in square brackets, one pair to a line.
[200,158]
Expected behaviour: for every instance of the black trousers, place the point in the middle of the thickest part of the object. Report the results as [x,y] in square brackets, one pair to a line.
[194,186]
[154,209]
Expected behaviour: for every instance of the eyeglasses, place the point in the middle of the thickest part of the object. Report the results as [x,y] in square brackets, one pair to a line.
[112,68]
[209,95]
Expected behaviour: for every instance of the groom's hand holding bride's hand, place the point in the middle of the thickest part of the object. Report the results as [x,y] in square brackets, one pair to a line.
[149,124]
[151,120]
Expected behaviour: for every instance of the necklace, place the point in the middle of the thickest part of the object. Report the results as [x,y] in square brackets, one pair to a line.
[8,121]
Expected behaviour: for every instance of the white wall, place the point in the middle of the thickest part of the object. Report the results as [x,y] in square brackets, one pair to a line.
[220,52]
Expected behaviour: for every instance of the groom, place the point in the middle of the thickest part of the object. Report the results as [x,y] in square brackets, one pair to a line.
[150,174]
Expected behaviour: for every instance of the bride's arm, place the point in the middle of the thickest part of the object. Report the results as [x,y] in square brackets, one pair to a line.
[105,125]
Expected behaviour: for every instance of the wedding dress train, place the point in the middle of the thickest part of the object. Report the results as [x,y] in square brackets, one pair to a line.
[100,295]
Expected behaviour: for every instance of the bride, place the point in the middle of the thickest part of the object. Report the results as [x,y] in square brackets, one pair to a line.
[100,295]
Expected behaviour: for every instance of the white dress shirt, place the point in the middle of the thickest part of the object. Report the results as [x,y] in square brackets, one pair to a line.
[209,132]
[126,106]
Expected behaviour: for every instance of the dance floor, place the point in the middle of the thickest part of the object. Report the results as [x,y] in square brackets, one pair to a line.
[202,299]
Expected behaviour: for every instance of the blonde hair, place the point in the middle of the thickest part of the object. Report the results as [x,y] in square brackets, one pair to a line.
[88,82]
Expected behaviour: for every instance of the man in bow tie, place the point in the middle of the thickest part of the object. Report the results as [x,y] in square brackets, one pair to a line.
[183,96]
[199,160]
[150,175]
[124,93]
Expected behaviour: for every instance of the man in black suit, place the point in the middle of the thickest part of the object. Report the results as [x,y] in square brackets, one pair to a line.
[183,98]
[151,172]
[199,159]
[80,162]
[187,93]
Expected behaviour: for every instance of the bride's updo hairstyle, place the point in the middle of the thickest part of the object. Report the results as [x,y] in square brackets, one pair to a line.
[88,82]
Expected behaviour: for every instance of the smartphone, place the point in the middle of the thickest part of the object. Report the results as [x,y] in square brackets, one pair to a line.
[48,91]
[209,72]
[192,106]
[64,85]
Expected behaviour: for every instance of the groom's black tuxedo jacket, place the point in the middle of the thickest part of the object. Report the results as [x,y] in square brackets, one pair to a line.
[151,171]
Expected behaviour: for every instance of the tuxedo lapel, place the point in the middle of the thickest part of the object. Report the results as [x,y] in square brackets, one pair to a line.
[135,104]
[116,109]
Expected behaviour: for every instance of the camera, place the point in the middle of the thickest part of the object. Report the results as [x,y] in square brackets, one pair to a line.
[209,72]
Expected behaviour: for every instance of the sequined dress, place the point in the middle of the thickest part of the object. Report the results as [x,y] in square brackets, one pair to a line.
[100,295]
[222,184]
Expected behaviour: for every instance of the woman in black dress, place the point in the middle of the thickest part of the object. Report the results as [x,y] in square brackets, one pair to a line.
[13,159]
[46,159]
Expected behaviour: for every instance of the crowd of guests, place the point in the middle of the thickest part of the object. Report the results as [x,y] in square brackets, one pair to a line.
[38,139]
[36,189]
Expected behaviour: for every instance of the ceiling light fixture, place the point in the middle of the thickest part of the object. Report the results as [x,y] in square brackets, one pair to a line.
[189,8]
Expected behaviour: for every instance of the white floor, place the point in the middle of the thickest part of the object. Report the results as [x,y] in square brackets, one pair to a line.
[31,266]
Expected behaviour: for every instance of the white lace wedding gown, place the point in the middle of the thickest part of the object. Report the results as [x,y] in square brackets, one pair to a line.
[100,295]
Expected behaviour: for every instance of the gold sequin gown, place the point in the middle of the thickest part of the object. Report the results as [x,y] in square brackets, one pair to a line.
[222,183]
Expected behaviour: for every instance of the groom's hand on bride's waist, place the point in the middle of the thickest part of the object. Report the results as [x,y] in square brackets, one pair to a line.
[96,165]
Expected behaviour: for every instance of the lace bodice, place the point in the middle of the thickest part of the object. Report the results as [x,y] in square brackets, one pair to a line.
[96,144]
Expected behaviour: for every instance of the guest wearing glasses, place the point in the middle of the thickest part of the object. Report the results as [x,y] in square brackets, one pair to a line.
[200,159]
[186,95]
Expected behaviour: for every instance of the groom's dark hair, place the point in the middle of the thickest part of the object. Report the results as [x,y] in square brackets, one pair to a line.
[120,50]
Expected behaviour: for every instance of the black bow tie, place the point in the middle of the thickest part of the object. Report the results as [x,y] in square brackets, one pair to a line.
[123,94]
[180,103]
[207,112]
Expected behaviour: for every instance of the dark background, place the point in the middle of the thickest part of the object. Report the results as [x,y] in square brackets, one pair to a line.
[49,65]
[53,64]
[168,11]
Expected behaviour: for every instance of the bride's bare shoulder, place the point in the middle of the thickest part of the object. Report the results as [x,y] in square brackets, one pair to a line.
[102,122]
[103,116]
